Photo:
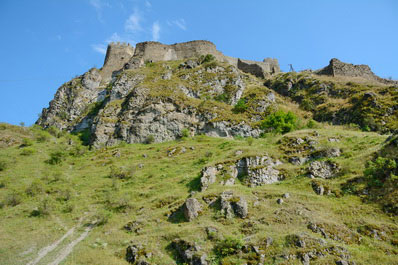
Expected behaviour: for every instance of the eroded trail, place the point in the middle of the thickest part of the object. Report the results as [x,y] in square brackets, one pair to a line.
[46,250]
[64,252]
[57,249]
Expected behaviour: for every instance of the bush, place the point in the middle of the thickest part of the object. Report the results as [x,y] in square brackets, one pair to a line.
[54,131]
[56,158]
[312,124]
[3,165]
[184,133]
[240,106]
[150,139]
[34,189]
[26,142]
[122,172]
[42,136]
[228,246]
[380,170]
[280,122]
[28,151]
[12,199]
[42,210]
[206,59]
[250,140]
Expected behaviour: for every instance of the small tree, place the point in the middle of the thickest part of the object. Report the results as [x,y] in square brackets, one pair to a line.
[240,106]
[280,122]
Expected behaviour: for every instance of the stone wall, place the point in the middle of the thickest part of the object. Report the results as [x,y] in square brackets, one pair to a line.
[117,55]
[339,68]
[123,55]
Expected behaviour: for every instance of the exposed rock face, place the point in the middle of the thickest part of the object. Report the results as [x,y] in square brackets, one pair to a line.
[189,252]
[323,169]
[339,68]
[115,104]
[191,209]
[233,205]
[135,254]
[209,176]
[257,170]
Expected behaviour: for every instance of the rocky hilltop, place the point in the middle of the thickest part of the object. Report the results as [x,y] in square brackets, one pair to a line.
[154,92]
[242,164]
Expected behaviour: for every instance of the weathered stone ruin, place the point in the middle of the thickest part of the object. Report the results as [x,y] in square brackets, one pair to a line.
[339,68]
[124,55]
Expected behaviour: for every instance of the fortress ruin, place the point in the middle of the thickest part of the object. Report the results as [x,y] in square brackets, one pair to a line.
[121,55]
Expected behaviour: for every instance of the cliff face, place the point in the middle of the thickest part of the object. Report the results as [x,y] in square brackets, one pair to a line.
[156,91]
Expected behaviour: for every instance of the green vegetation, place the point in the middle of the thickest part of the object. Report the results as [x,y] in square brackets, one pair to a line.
[280,122]
[111,190]
[240,106]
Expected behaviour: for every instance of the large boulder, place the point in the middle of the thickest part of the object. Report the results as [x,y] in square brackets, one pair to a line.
[233,205]
[191,209]
[209,176]
[259,170]
[189,252]
[323,169]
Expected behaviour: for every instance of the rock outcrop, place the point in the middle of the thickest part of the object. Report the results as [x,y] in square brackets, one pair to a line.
[254,170]
[189,252]
[232,205]
[323,169]
[191,209]
[123,101]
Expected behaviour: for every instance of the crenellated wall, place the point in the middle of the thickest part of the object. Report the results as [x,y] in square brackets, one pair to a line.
[120,56]
[117,55]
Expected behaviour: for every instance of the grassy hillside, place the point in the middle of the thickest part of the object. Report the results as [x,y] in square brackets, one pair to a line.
[122,195]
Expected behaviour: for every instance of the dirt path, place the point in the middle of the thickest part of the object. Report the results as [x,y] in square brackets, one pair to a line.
[44,251]
[64,252]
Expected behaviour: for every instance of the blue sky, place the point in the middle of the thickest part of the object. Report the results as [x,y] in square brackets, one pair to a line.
[47,42]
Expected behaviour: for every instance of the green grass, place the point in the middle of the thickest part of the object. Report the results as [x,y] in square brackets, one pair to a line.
[82,186]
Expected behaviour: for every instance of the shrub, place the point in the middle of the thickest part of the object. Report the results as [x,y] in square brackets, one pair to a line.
[312,124]
[42,136]
[34,188]
[228,246]
[56,157]
[28,151]
[184,133]
[102,217]
[250,140]
[26,142]
[240,106]
[3,165]
[54,131]
[42,210]
[12,199]
[150,139]
[280,122]
[122,172]
[206,59]
[380,170]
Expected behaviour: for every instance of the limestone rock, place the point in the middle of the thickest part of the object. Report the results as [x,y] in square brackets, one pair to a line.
[259,170]
[191,209]
[189,252]
[208,177]
[135,254]
[233,205]
[323,169]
